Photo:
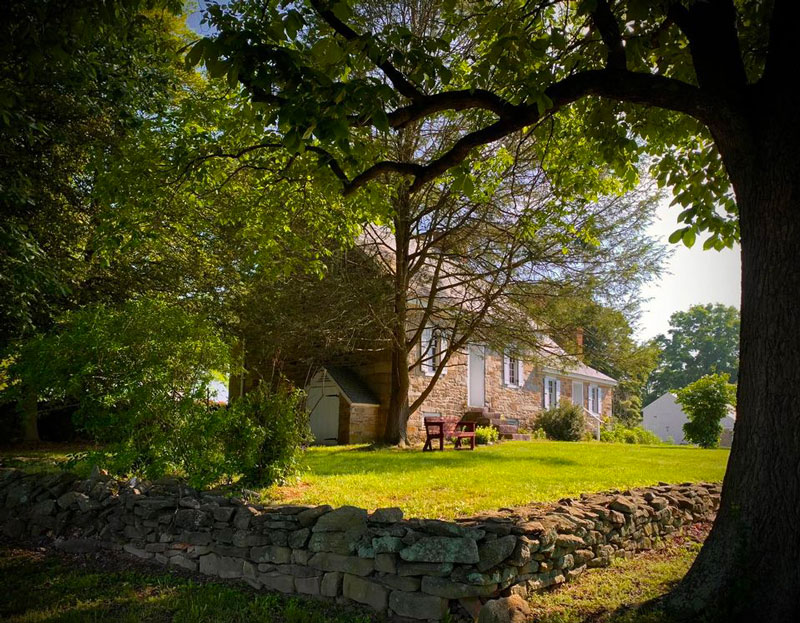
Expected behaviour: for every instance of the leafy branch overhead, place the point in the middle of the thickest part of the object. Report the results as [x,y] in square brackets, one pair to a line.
[335,77]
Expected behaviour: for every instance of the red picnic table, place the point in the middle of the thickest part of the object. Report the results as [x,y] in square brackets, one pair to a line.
[435,429]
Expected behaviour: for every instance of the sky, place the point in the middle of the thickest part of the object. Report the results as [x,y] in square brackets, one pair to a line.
[692,277]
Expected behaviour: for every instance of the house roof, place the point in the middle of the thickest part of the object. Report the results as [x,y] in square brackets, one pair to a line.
[581,369]
[379,243]
[352,385]
[569,366]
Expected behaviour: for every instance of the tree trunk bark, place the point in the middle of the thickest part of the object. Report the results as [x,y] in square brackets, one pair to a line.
[29,411]
[749,567]
[397,417]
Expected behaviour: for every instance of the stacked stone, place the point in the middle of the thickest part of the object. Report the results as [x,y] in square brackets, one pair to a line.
[416,569]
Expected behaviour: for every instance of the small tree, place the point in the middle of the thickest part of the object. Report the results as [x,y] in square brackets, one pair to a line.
[705,403]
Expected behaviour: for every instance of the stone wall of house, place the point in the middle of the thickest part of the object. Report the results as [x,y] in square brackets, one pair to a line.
[407,568]
[366,423]
[449,397]
[521,403]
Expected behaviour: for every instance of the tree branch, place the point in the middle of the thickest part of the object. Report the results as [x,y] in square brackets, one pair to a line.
[782,48]
[400,82]
[628,86]
[607,26]
[449,100]
[710,28]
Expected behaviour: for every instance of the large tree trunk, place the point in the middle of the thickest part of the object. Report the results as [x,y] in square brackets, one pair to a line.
[397,417]
[749,568]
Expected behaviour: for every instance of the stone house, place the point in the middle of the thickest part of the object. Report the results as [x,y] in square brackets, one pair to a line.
[348,398]
[349,404]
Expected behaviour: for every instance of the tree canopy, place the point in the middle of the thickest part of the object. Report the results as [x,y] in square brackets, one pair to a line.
[702,340]
[76,79]
[700,90]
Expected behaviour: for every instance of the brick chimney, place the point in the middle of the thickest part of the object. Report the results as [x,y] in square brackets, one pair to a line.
[579,342]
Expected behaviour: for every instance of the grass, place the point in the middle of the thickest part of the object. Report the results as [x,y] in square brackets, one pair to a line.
[41,587]
[625,592]
[451,484]
[44,457]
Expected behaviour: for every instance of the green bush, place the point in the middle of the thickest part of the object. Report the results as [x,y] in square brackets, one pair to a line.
[140,376]
[486,434]
[269,432]
[623,434]
[705,402]
[562,423]
[135,374]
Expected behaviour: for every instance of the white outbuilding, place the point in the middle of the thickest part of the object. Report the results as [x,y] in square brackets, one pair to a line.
[665,418]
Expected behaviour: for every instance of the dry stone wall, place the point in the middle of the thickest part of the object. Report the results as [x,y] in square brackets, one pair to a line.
[410,569]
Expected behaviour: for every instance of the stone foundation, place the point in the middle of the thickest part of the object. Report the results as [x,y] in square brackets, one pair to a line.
[410,569]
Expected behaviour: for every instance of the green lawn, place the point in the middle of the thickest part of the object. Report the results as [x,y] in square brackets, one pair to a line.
[42,587]
[625,592]
[449,484]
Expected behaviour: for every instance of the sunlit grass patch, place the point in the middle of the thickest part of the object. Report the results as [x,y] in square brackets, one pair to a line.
[450,484]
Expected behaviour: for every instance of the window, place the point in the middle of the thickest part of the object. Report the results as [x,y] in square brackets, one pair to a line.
[433,345]
[595,399]
[551,392]
[512,371]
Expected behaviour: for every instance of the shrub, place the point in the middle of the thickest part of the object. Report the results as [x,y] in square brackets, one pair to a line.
[538,433]
[562,423]
[623,434]
[140,376]
[705,402]
[269,432]
[486,434]
[136,374]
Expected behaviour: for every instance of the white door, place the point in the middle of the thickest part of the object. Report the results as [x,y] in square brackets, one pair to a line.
[577,393]
[323,406]
[476,389]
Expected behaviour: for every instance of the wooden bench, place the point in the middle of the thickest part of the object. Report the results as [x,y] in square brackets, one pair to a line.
[434,429]
[464,430]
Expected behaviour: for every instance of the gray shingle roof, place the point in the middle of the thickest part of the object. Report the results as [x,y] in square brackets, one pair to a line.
[352,385]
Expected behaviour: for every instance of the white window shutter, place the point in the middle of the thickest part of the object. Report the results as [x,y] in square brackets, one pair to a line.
[558,392]
[520,378]
[442,342]
[425,351]
[506,370]
[545,394]
[600,400]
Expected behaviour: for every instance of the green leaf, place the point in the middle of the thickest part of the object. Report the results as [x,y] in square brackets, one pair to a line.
[293,23]
[326,51]
[342,10]
[676,235]
[195,53]
[688,237]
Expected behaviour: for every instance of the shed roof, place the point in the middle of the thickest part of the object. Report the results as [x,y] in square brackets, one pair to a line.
[352,385]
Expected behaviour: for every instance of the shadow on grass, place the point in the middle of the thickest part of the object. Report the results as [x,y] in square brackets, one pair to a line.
[48,587]
[357,460]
